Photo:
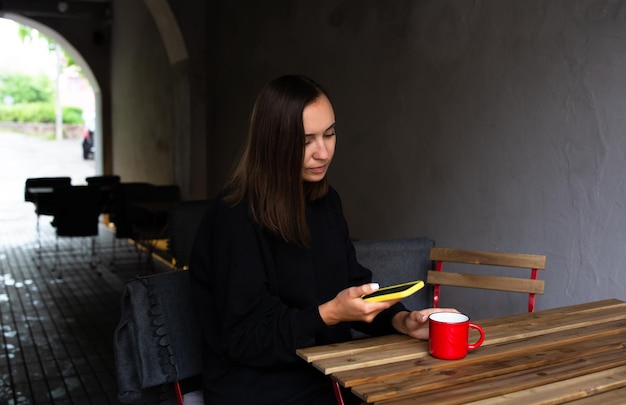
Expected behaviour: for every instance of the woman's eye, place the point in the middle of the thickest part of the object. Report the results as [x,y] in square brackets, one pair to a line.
[330,134]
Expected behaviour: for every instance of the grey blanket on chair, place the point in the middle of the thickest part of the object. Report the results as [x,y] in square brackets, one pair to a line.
[394,261]
[157,340]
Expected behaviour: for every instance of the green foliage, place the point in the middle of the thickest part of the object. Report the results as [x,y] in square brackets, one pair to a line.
[28,112]
[6,114]
[39,112]
[27,33]
[24,32]
[22,88]
[73,115]
[30,99]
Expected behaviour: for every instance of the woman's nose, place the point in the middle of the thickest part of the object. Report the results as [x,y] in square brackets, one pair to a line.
[321,151]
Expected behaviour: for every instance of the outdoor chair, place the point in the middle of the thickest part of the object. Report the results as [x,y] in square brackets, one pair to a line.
[157,341]
[140,213]
[149,218]
[122,197]
[105,184]
[76,215]
[39,191]
[530,286]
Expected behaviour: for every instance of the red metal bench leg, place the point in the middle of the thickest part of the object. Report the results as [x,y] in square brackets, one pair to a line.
[531,297]
[338,394]
[179,393]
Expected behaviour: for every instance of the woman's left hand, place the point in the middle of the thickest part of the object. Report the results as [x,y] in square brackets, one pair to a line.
[415,323]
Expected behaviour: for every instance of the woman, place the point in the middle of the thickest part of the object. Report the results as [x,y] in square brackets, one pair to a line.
[273,268]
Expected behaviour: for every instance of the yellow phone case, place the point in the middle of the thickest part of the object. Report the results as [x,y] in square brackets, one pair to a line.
[394,292]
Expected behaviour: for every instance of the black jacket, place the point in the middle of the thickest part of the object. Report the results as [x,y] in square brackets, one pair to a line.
[258,296]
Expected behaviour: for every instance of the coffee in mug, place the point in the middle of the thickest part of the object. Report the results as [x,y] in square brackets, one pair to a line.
[449,335]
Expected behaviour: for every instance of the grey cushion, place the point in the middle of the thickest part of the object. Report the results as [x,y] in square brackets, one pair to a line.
[158,338]
[394,261]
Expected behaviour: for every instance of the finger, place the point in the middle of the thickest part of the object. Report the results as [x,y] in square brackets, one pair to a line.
[420,316]
[427,312]
[445,310]
[424,314]
[368,288]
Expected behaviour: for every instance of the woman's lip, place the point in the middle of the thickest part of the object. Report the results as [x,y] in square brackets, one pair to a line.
[319,169]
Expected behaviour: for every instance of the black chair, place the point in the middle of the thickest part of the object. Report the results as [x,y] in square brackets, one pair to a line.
[39,191]
[183,223]
[157,341]
[106,184]
[150,219]
[140,213]
[148,211]
[76,215]
[122,197]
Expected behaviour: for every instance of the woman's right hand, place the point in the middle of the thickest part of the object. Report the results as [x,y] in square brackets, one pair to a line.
[348,306]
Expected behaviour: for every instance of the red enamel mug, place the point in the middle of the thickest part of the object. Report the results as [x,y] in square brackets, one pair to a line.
[449,335]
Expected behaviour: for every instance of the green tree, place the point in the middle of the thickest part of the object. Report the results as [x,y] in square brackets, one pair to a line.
[22,88]
[25,32]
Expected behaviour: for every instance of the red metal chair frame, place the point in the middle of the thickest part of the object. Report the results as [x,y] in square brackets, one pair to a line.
[532,286]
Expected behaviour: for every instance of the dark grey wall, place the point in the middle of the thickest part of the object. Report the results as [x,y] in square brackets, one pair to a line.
[160,113]
[143,95]
[495,125]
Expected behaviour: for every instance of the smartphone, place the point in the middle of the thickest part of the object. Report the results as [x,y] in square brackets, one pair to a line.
[394,292]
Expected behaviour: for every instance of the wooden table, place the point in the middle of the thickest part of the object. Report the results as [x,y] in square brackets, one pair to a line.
[573,354]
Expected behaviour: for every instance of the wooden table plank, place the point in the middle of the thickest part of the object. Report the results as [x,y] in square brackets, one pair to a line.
[531,324]
[614,397]
[432,375]
[609,305]
[519,381]
[419,349]
[565,390]
[534,324]
[316,353]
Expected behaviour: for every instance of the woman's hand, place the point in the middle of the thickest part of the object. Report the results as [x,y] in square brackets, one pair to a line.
[348,306]
[415,323]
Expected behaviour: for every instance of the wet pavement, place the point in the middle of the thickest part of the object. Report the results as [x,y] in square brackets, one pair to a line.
[57,332]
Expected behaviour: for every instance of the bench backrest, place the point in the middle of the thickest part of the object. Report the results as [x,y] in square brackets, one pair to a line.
[530,285]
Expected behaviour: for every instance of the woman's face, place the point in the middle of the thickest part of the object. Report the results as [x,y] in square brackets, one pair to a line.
[319,139]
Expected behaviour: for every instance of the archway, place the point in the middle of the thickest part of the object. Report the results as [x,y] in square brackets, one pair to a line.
[87,72]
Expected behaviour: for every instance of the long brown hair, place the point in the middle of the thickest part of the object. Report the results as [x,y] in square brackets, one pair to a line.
[268,174]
